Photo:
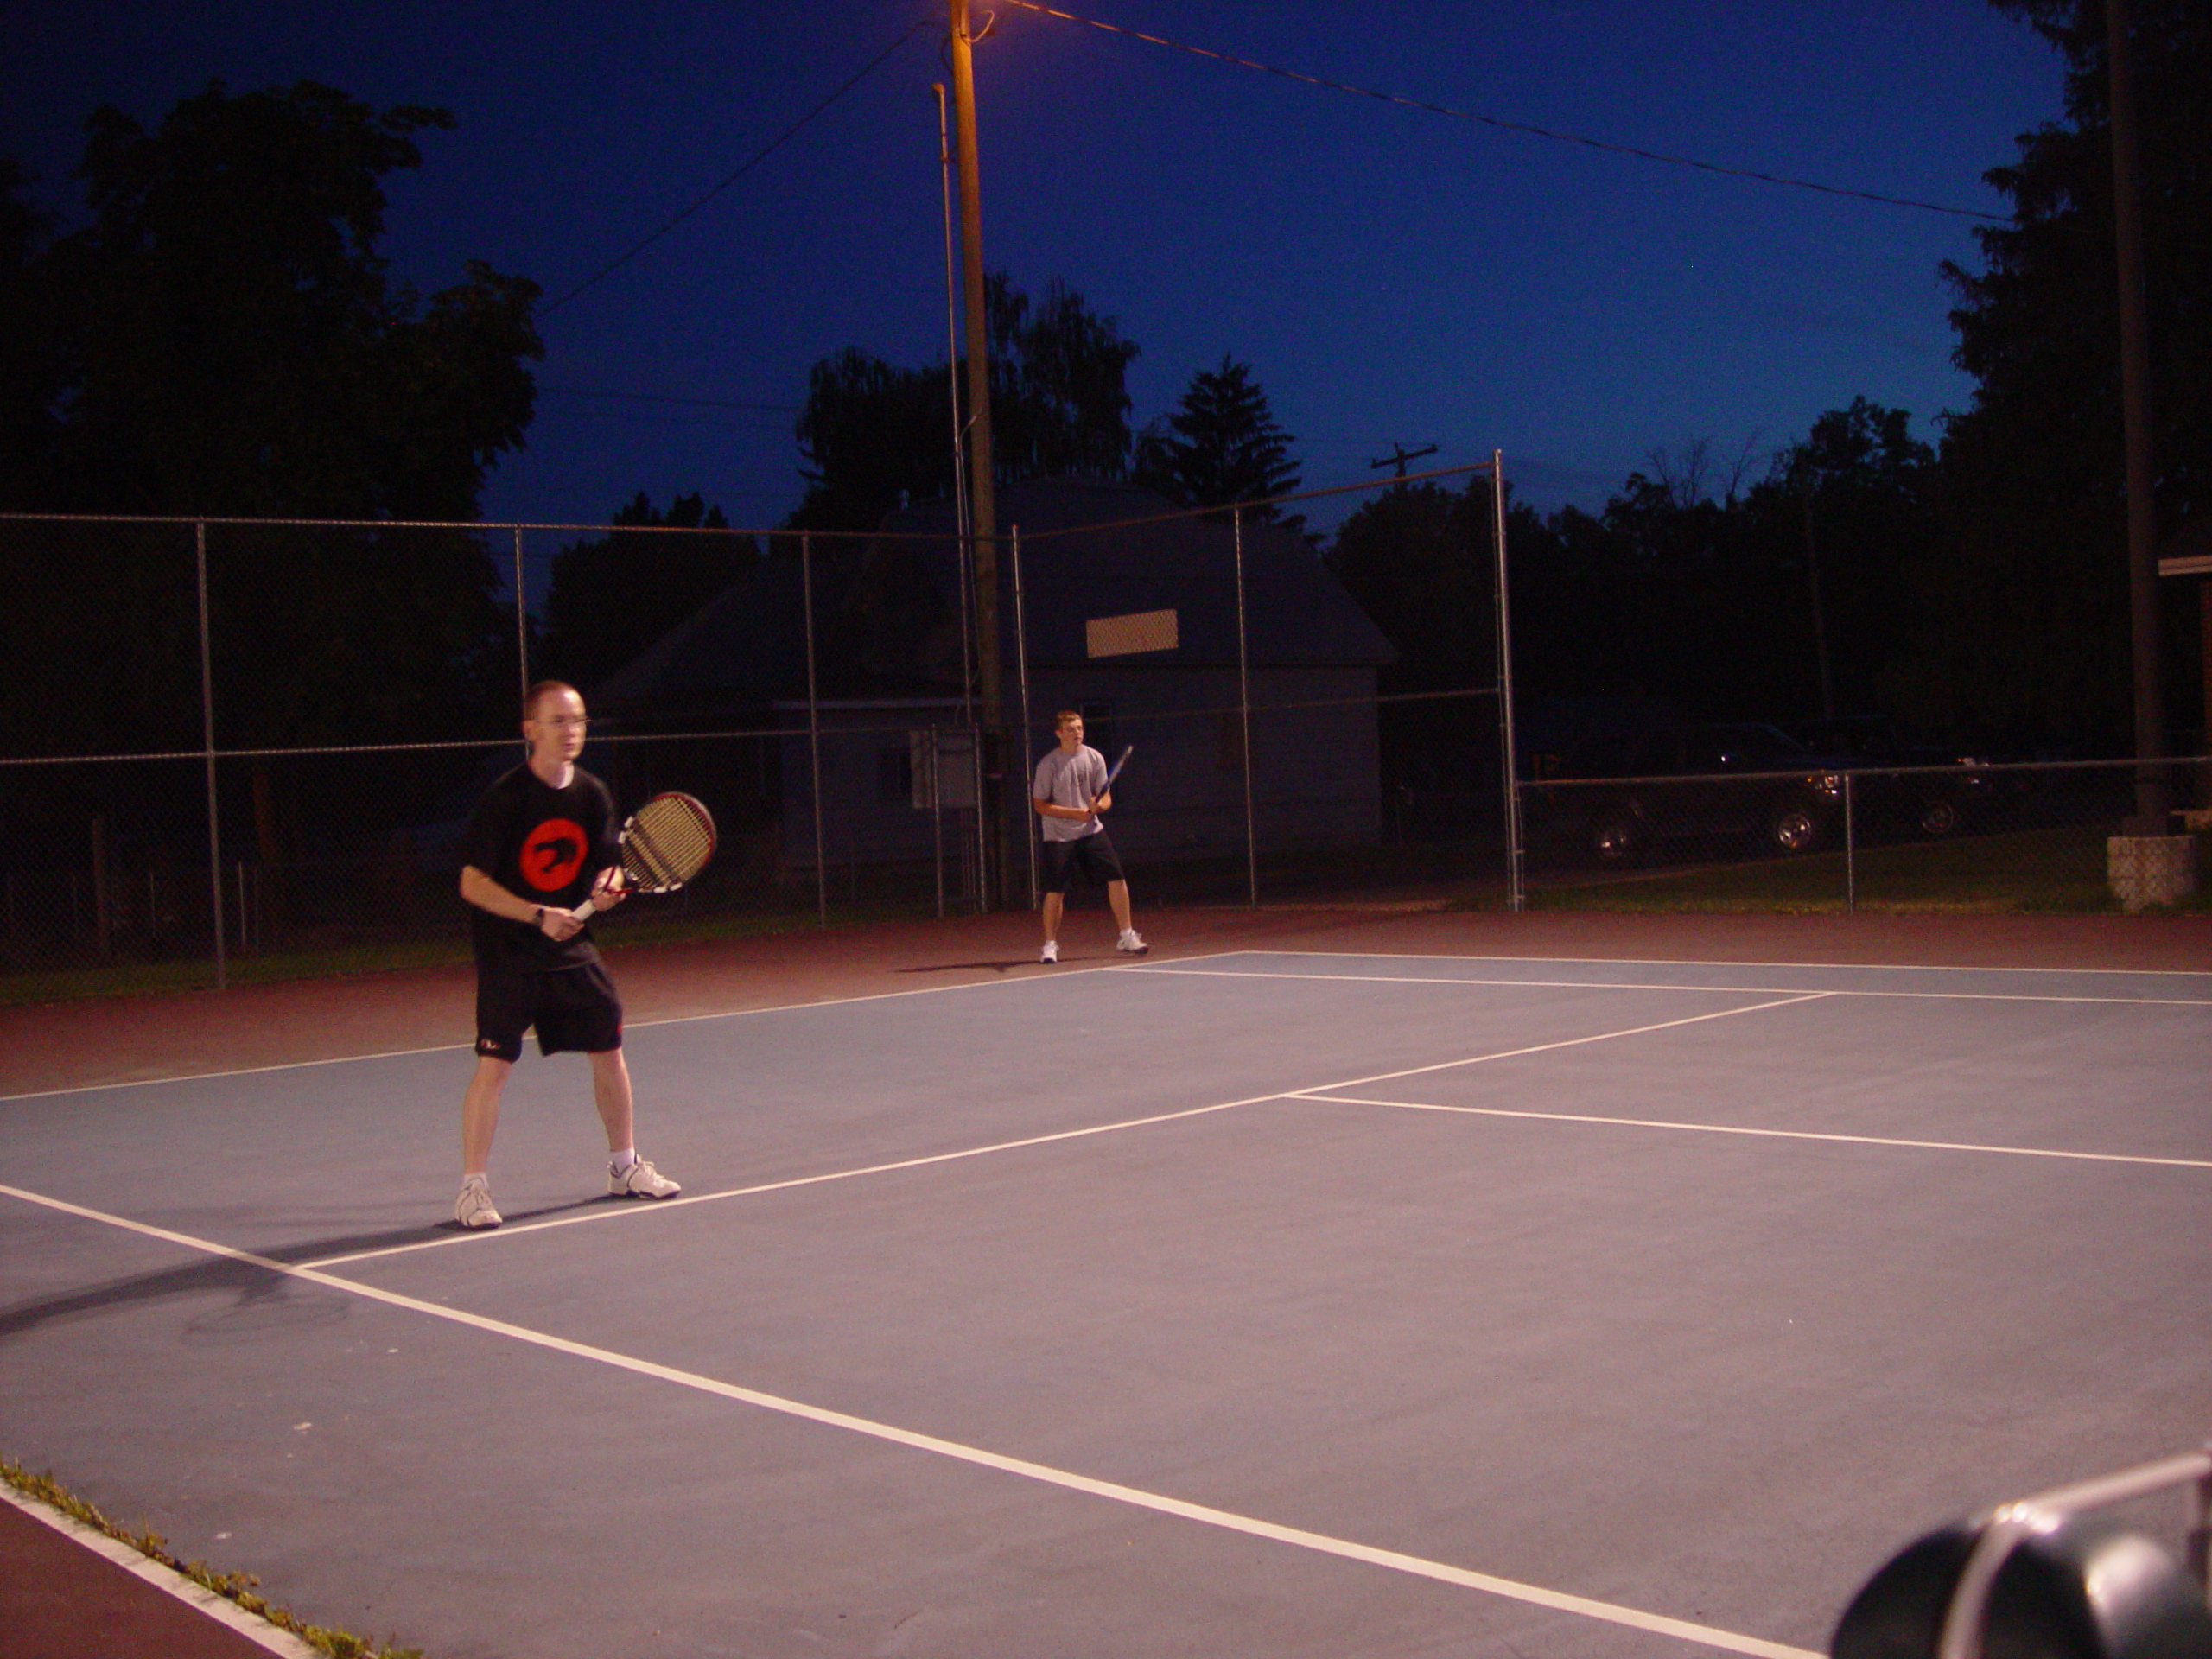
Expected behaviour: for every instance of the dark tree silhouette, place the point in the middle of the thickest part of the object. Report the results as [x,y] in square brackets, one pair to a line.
[613,597]
[1219,445]
[2033,598]
[873,435]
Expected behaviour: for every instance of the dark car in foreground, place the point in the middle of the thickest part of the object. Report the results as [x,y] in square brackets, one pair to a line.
[1624,794]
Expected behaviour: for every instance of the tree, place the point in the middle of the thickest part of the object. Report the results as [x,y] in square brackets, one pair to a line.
[223,338]
[1219,445]
[1858,496]
[234,342]
[2033,598]
[873,435]
[613,598]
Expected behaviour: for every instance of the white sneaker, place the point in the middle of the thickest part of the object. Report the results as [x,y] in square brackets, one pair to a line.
[640,1180]
[1130,943]
[472,1209]
[1051,952]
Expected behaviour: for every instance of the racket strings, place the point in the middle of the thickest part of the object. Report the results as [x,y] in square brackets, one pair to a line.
[667,842]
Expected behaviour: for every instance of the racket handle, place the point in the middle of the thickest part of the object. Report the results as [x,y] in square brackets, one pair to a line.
[583,913]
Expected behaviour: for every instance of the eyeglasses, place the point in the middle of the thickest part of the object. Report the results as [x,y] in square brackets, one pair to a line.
[560,720]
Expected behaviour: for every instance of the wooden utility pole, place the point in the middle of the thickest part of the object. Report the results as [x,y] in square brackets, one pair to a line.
[982,517]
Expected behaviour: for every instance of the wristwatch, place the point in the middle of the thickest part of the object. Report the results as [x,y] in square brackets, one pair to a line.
[538,920]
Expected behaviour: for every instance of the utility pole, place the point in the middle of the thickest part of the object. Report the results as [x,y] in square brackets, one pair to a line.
[982,516]
[1400,458]
[2151,792]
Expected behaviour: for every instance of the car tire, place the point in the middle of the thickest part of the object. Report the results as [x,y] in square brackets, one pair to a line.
[1938,817]
[1794,828]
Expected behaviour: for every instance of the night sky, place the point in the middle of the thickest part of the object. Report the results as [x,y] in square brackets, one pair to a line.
[1393,276]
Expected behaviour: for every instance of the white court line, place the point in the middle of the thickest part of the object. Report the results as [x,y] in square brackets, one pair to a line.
[1780,1134]
[1205,1514]
[1695,962]
[683,1206]
[1636,985]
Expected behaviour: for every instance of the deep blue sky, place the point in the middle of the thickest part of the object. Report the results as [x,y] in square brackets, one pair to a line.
[1392,275]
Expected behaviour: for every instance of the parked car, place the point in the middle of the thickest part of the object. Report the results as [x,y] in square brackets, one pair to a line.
[1929,802]
[1687,784]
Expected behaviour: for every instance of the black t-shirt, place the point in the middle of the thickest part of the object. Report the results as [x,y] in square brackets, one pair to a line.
[546,845]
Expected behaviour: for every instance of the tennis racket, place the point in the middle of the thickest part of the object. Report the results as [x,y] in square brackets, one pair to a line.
[666,843]
[1112,772]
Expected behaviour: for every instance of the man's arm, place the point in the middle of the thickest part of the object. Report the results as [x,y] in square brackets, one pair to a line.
[482,891]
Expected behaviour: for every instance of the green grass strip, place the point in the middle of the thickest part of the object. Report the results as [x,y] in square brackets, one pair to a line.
[235,1587]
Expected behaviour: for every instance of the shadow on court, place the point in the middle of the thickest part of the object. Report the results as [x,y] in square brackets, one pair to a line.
[267,1297]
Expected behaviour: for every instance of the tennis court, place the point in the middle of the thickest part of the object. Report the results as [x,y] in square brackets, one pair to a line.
[1356,1292]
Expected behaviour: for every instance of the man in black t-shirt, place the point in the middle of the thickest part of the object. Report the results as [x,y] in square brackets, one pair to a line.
[542,840]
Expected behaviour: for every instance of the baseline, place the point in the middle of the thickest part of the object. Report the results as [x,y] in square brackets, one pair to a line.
[1068,1480]
[1639,985]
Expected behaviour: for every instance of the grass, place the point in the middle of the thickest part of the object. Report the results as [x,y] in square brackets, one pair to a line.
[2046,871]
[235,1587]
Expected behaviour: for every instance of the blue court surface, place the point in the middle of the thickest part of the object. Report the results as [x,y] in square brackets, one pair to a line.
[1258,1304]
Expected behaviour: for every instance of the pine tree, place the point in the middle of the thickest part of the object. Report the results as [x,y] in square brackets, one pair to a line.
[1220,445]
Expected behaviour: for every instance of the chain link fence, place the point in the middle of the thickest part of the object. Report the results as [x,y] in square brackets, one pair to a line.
[1763,835]
[250,749]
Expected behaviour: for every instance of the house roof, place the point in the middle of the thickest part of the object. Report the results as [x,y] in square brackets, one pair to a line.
[1082,559]
[887,615]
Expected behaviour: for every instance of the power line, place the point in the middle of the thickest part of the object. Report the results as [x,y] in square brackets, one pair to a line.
[759,156]
[1514,126]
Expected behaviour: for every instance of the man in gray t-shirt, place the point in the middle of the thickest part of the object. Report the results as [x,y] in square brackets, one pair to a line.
[1068,794]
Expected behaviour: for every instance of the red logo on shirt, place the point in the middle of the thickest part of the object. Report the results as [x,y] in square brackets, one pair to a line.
[553,855]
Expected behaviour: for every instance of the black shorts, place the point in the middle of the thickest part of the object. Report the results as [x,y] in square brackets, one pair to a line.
[574,1008]
[1092,854]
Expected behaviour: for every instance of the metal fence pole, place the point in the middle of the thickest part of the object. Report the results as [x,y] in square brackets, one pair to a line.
[937,822]
[1850,853]
[814,732]
[1021,678]
[1517,900]
[1244,713]
[522,621]
[207,752]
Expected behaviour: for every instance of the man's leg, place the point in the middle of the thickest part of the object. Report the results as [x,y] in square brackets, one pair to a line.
[479,1113]
[628,1176]
[1118,899]
[1050,911]
[610,1089]
[480,1117]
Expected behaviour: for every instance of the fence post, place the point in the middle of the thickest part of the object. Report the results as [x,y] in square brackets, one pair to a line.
[814,731]
[1022,681]
[1515,900]
[1850,853]
[1244,714]
[208,750]
[522,621]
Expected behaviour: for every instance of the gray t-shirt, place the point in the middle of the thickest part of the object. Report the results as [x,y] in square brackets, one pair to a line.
[1074,780]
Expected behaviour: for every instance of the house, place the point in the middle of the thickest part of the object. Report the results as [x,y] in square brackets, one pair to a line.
[1125,611]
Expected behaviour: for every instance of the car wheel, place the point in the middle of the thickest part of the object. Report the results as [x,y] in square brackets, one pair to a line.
[1614,841]
[1794,828]
[1938,817]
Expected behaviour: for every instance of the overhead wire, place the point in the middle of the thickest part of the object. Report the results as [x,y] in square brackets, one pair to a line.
[1504,125]
[752,161]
